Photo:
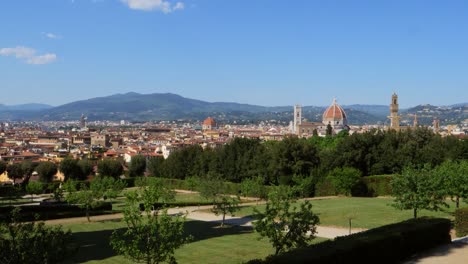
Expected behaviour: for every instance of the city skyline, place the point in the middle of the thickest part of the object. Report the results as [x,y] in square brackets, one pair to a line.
[262,53]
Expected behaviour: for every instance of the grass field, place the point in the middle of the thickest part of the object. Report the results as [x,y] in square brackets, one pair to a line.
[365,212]
[211,244]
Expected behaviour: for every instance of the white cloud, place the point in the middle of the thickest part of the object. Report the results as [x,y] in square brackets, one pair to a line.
[42,59]
[179,6]
[52,36]
[18,52]
[28,55]
[153,5]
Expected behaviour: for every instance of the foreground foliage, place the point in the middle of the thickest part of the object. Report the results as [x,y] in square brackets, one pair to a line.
[283,225]
[32,242]
[418,189]
[151,237]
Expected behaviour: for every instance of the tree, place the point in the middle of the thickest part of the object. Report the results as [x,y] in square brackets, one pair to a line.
[15,172]
[329,131]
[214,190]
[31,242]
[345,179]
[34,187]
[89,196]
[417,190]
[155,166]
[151,237]
[109,167]
[28,168]
[46,171]
[137,166]
[253,187]
[286,227]
[70,169]
[86,168]
[455,178]
[303,186]
[3,166]
[192,182]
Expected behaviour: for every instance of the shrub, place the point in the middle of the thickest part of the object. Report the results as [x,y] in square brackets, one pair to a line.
[324,188]
[386,244]
[461,221]
[378,185]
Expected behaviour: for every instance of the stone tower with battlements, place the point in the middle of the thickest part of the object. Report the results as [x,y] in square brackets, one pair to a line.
[394,117]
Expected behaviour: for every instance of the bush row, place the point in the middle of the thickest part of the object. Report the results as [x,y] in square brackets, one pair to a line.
[461,222]
[370,186]
[52,211]
[386,244]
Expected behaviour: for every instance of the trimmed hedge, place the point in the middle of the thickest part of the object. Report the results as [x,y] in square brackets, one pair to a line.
[378,185]
[386,244]
[52,211]
[461,221]
[176,204]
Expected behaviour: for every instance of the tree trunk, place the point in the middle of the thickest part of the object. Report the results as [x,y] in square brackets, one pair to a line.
[415,213]
[224,216]
[87,215]
[349,226]
[457,202]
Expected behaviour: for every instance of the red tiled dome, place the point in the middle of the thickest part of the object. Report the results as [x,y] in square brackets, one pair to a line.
[334,113]
[209,122]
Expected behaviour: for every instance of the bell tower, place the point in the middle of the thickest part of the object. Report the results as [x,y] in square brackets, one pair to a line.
[394,118]
[297,118]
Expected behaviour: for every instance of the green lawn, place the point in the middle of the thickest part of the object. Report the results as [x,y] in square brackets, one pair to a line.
[211,244]
[366,212]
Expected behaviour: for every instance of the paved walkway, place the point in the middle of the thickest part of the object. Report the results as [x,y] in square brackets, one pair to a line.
[454,253]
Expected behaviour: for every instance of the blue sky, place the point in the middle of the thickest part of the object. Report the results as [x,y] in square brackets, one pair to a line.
[264,52]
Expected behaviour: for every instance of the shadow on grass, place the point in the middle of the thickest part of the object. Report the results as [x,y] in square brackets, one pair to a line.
[94,245]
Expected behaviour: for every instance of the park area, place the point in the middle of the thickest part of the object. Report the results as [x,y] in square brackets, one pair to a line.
[233,244]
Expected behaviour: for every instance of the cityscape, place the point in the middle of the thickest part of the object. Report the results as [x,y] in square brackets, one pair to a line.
[197,131]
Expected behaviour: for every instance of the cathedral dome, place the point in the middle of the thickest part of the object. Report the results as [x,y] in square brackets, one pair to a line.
[209,124]
[334,115]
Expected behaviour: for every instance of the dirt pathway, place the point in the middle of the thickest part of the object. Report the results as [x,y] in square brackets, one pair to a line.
[199,213]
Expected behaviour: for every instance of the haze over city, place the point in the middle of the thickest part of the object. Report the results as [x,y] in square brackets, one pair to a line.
[257,52]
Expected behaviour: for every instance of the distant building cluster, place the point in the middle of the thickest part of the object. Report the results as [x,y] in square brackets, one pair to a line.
[80,139]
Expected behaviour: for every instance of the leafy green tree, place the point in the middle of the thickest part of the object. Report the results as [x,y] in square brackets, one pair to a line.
[303,186]
[253,187]
[3,166]
[110,167]
[151,237]
[345,179]
[214,189]
[15,171]
[33,188]
[86,167]
[329,131]
[137,166]
[284,225]
[46,171]
[417,190]
[28,168]
[31,242]
[192,182]
[70,169]
[155,166]
[455,178]
[89,196]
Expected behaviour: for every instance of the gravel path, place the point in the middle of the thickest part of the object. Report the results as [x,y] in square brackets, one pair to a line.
[197,213]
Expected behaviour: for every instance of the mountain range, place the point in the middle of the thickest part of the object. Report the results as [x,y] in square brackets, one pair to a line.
[167,106]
